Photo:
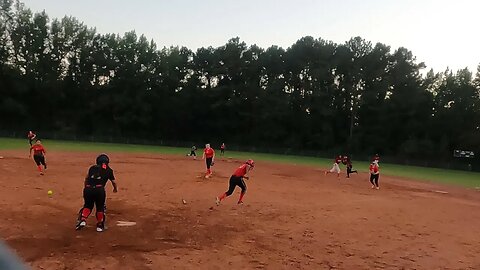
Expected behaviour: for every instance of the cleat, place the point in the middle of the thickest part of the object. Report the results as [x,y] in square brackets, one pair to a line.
[373,187]
[217,201]
[240,202]
[100,227]
[80,225]
[378,188]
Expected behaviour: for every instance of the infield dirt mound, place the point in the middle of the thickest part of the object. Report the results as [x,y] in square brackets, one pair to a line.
[293,217]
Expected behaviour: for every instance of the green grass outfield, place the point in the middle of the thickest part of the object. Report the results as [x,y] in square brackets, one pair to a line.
[459,178]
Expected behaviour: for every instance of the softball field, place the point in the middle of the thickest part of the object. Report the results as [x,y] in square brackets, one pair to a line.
[294,217]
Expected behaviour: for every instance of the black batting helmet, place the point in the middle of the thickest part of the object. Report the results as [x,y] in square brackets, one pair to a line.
[103,159]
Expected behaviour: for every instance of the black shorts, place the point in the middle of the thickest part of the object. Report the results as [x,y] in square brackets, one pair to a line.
[236,181]
[374,177]
[94,197]
[192,153]
[209,162]
[39,160]
[349,168]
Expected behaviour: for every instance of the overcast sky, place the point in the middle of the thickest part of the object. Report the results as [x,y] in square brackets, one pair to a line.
[440,33]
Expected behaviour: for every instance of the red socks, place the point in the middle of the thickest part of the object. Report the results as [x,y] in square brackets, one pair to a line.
[85,213]
[39,168]
[223,196]
[241,196]
[99,216]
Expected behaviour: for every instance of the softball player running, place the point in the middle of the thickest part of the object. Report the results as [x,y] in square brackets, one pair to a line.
[39,156]
[31,137]
[94,192]
[335,168]
[374,174]
[237,180]
[348,162]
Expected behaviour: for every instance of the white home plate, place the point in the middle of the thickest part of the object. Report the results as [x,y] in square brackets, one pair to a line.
[440,191]
[126,223]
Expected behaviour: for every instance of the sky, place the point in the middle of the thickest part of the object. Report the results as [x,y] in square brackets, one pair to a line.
[442,33]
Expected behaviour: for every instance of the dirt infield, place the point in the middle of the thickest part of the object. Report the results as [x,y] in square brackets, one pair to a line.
[294,217]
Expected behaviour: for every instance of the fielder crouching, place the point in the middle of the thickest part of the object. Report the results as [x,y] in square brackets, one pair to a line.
[94,192]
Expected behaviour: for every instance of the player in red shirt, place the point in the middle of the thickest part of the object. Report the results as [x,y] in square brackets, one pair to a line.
[237,180]
[335,168]
[209,156]
[38,156]
[222,149]
[31,137]
[374,174]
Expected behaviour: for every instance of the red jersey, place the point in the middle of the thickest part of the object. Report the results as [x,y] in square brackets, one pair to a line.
[338,160]
[38,150]
[209,152]
[31,135]
[240,171]
[374,168]
[222,147]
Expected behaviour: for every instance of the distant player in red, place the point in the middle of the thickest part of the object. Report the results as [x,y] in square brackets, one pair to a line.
[38,156]
[237,180]
[335,168]
[31,137]
[222,149]
[374,174]
[209,156]
[348,162]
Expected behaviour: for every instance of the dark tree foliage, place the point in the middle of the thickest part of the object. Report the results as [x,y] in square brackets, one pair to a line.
[355,97]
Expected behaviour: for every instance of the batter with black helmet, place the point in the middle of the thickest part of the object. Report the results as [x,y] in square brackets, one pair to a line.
[94,192]
[237,180]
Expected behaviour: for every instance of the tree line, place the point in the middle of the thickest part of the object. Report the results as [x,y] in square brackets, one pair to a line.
[356,97]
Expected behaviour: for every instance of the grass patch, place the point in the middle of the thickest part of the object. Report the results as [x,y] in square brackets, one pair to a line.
[453,177]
